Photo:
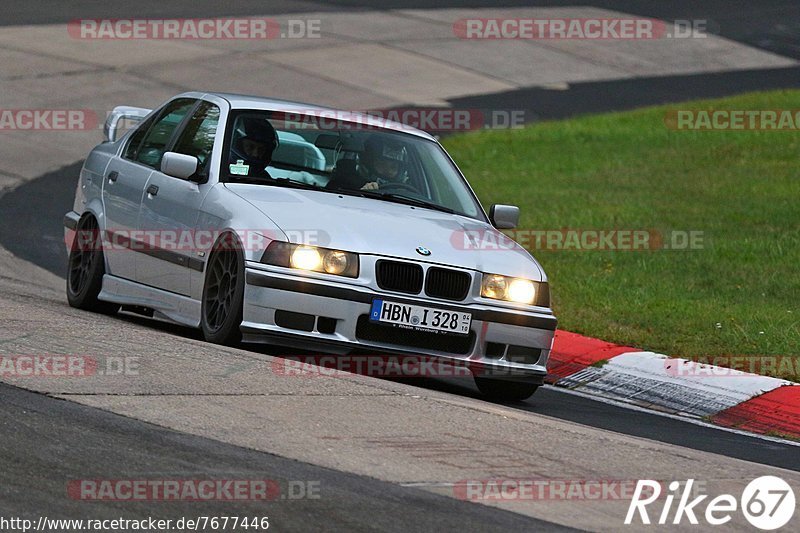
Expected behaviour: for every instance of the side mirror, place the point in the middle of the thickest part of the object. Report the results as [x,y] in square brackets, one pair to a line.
[119,114]
[178,165]
[504,216]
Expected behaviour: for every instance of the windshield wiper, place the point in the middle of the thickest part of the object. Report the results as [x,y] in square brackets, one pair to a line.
[279,182]
[392,197]
[408,200]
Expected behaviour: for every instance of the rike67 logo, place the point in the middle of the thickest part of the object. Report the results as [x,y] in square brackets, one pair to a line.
[767,502]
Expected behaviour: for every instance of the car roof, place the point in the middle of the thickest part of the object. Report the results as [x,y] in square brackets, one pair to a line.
[242,101]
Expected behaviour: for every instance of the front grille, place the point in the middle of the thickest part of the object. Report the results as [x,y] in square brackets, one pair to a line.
[447,284]
[399,277]
[455,344]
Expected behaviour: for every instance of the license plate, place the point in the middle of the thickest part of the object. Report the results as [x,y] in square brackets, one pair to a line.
[419,318]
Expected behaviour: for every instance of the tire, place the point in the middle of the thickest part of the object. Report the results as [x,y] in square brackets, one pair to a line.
[223,293]
[505,391]
[85,269]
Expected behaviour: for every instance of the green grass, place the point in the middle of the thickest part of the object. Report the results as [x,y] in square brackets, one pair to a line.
[738,295]
[779,435]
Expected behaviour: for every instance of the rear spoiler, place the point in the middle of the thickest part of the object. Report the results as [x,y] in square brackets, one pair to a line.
[120,114]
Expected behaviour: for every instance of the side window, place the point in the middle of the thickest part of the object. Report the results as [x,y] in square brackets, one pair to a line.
[197,138]
[154,144]
[136,140]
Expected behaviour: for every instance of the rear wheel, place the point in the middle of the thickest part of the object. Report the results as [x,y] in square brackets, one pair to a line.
[85,269]
[223,293]
[505,391]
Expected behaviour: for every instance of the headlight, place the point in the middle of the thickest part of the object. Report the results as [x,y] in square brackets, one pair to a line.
[311,258]
[522,291]
[494,286]
[335,262]
[517,290]
[306,258]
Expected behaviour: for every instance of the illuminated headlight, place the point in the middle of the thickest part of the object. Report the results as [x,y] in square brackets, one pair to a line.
[522,291]
[517,290]
[311,258]
[306,258]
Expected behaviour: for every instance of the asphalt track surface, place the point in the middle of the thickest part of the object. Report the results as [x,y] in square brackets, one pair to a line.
[773,25]
[770,25]
[72,441]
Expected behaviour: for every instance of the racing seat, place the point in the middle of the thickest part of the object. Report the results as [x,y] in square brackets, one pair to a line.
[345,176]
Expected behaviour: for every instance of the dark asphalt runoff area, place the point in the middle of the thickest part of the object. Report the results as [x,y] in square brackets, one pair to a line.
[48,443]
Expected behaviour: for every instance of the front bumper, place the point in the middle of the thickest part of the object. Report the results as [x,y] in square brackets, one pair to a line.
[71,220]
[332,317]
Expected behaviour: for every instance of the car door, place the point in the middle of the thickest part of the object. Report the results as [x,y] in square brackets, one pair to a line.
[171,206]
[125,182]
[122,190]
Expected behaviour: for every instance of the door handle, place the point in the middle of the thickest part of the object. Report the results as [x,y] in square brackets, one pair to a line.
[112,176]
[152,190]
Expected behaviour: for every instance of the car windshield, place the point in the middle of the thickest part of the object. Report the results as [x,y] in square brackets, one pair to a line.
[310,151]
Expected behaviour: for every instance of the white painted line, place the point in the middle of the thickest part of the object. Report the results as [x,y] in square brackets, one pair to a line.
[428,484]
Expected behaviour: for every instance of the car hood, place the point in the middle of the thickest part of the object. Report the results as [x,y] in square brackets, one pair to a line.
[377,227]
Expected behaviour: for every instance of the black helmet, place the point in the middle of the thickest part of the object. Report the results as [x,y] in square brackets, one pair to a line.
[380,148]
[256,132]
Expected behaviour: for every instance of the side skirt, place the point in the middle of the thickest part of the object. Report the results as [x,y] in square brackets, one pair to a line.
[175,307]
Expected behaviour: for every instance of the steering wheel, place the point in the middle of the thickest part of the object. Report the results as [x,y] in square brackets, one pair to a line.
[401,186]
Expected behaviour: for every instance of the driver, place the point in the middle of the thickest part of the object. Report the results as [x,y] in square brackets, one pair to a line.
[252,151]
[382,163]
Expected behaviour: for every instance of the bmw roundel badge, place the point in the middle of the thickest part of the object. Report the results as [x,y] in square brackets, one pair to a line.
[421,250]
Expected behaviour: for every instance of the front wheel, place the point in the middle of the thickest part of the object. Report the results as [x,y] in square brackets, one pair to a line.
[223,294]
[85,269]
[505,391]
